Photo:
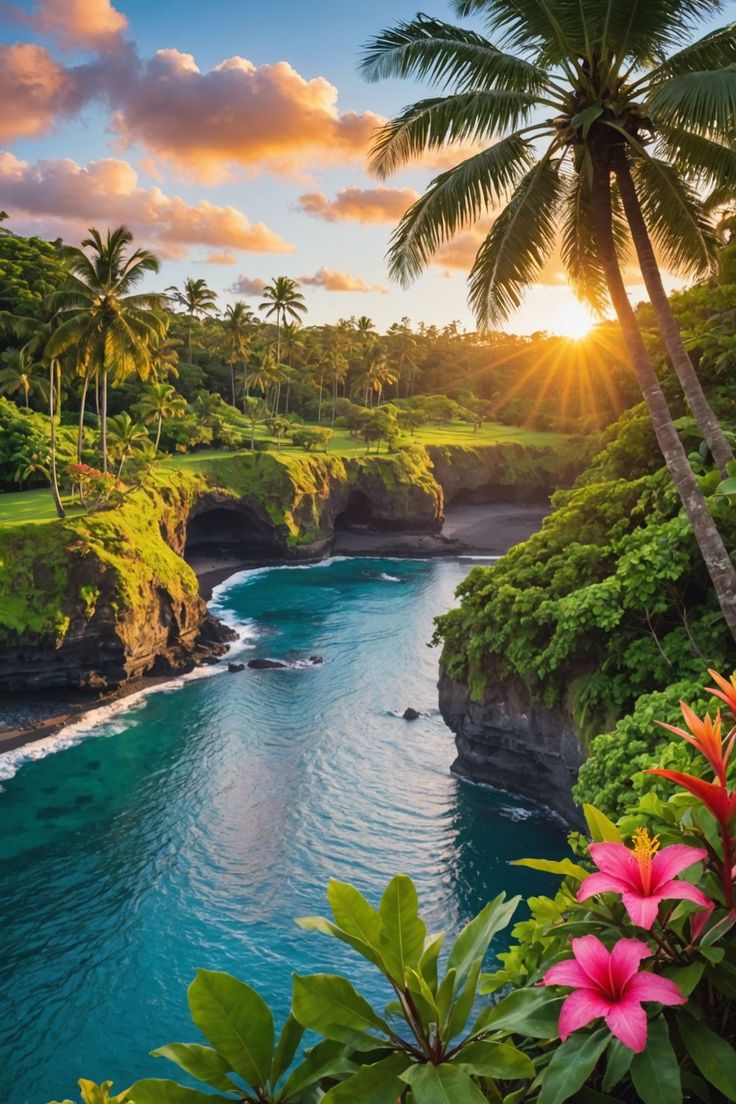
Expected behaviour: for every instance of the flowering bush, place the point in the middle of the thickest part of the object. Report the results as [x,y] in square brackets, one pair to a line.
[621,988]
[95,487]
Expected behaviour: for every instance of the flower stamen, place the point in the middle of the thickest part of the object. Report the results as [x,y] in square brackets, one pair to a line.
[645,848]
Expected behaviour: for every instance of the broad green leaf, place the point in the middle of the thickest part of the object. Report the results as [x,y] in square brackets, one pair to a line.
[600,827]
[445,993]
[566,867]
[326,927]
[428,961]
[587,117]
[354,914]
[490,1059]
[416,985]
[714,1057]
[329,1004]
[463,1005]
[376,1084]
[403,933]
[618,1064]
[474,940]
[443,1084]
[656,1072]
[201,1062]
[236,1021]
[572,1064]
[685,977]
[328,1059]
[286,1048]
[532,1012]
[155,1091]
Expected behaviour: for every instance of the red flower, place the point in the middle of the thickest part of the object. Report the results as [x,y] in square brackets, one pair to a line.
[612,986]
[716,798]
[727,691]
[705,735]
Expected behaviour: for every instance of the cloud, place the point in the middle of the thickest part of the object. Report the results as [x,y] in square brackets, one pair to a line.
[221,258]
[367,205]
[331,279]
[34,91]
[72,197]
[95,24]
[247,285]
[237,115]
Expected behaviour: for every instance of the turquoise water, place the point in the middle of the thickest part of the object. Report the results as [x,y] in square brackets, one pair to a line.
[191,829]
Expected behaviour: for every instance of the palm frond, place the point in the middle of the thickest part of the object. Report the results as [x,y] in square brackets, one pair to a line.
[674,213]
[432,50]
[431,124]
[703,101]
[578,248]
[456,199]
[715,50]
[519,242]
[701,160]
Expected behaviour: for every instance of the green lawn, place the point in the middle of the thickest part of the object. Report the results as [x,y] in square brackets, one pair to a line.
[37,505]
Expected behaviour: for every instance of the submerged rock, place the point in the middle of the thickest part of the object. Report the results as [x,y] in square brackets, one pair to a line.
[266,664]
[316,660]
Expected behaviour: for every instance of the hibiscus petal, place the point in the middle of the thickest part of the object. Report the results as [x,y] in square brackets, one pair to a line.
[568,972]
[600,883]
[683,891]
[652,987]
[593,957]
[579,1009]
[673,860]
[627,1020]
[626,958]
[642,908]
[616,859]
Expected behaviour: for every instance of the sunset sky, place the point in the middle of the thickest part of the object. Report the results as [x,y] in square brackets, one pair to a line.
[232,139]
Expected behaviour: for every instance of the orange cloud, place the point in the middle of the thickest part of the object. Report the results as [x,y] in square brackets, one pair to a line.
[330,279]
[368,205]
[237,115]
[34,91]
[221,257]
[72,197]
[247,285]
[92,23]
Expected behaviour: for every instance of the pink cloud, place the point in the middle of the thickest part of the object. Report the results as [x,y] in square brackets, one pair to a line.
[34,91]
[247,285]
[221,257]
[331,279]
[367,205]
[71,197]
[95,24]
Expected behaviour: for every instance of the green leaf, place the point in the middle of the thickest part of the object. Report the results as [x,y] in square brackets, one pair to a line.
[355,915]
[714,1057]
[532,1012]
[461,1008]
[587,117]
[155,1091]
[655,1072]
[599,826]
[326,927]
[201,1062]
[428,961]
[490,1059]
[474,940]
[376,1084]
[403,934]
[571,1065]
[618,1064]
[327,1059]
[685,977]
[286,1048]
[329,1004]
[444,1084]
[566,867]
[236,1021]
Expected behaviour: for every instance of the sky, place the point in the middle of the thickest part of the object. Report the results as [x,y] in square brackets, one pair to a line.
[232,138]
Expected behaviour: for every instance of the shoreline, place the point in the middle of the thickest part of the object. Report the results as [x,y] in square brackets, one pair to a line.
[483,530]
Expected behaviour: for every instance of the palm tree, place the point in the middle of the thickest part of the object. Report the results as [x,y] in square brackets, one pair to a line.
[283,301]
[18,376]
[265,374]
[160,401]
[112,327]
[238,325]
[165,358]
[293,342]
[198,301]
[583,70]
[126,436]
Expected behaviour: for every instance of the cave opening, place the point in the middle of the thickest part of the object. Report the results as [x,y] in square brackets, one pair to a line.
[230,532]
[357,514]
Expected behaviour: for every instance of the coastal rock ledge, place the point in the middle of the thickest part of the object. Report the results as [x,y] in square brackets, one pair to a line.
[507,741]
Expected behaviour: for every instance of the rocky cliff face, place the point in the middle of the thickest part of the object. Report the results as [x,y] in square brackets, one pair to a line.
[507,741]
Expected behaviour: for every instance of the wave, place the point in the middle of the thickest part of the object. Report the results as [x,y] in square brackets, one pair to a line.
[389,578]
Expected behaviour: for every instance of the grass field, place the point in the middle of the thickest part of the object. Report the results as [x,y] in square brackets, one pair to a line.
[37,506]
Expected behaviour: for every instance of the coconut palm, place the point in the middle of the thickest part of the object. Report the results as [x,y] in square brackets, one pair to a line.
[18,377]
[292,341]
[112,327]
[126,436]
[165,358]
[282,301]
[158,402]
[265,373]
[238,325]
[604,135]
[197,300]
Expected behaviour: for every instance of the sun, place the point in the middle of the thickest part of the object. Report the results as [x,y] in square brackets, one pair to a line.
[573,320]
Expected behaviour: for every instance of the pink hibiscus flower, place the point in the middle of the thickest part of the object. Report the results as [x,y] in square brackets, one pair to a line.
[643,875]
[610,984]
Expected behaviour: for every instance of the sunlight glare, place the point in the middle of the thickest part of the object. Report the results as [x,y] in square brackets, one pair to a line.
[573,320]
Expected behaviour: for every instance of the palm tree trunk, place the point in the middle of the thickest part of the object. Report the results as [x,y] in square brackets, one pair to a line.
[334,398]
[319,404]
[232,381]
[52,415]
[80,426]
[718,562]
[103,417]
[189,338]
[702,411]
[158,430]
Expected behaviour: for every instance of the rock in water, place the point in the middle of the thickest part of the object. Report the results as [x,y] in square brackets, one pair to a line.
[265,664]
[316,660]
[233,668]
[410,714]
